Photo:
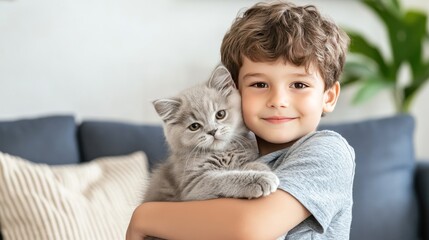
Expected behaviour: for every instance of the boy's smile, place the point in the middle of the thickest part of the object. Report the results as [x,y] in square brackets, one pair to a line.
[282,102]
[278,119]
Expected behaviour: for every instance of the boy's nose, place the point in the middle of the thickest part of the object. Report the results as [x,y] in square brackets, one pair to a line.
[278,99]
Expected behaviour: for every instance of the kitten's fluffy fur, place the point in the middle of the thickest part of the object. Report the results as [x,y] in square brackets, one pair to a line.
[211,154]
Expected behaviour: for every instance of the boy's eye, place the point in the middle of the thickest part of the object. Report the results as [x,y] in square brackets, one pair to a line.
[260,85]
[194,126]
[299,85]
[220,114]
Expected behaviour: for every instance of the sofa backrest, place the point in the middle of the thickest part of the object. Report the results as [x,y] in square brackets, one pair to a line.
[385,205]
[109,138]
[49,140]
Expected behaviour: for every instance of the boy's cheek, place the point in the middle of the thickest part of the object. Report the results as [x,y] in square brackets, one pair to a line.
[248,110]
[245,102]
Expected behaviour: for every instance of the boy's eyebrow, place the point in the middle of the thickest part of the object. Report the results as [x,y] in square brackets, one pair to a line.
[295,74]
[304,75]
[253,75]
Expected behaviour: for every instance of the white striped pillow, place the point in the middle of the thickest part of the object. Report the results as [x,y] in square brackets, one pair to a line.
[87,201]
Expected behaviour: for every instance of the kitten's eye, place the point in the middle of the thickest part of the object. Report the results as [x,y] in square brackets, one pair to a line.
[194,126]
[221,115]
[299,85]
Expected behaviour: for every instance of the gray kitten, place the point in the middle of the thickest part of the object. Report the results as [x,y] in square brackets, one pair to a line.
[211,152]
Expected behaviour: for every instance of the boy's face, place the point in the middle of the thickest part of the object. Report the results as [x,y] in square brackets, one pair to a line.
[282,102]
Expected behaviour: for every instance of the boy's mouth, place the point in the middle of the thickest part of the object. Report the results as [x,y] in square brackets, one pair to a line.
[278,119]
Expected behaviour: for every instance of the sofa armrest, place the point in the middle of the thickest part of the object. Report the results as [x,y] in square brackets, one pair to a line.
[422,188]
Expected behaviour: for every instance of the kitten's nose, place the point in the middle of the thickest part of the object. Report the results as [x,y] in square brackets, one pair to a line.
[212,132]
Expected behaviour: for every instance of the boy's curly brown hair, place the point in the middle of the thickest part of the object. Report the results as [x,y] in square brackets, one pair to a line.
[267,32]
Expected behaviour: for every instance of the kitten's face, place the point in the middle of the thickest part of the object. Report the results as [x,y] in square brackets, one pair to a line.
[206,120]
[205,117]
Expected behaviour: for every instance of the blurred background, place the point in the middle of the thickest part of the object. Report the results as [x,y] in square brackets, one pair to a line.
[108,59]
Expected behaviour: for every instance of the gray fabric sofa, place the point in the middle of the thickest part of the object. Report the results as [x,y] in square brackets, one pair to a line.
[391,188]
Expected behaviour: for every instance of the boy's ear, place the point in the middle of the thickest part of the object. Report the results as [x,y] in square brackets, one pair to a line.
[221,79]
[330,98]
[167,108]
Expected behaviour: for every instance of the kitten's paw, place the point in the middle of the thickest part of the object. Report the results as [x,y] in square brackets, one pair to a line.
[264,184]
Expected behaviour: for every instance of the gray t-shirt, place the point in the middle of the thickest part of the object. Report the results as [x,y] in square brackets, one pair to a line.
[318,170]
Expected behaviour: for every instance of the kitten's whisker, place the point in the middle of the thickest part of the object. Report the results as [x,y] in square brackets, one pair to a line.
[242,141]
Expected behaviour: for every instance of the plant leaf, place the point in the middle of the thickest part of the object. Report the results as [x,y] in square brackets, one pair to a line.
[360,45]
[415,22]
[392,6]
[371,86]
[395,27]
[410,91]
[359,68]
[354,71]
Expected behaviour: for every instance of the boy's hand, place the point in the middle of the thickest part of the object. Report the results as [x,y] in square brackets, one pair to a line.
[134,231]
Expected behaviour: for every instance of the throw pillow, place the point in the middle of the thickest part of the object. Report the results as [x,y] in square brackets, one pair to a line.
[90,201]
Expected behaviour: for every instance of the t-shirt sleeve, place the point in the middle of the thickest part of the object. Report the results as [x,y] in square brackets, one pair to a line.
[318,171]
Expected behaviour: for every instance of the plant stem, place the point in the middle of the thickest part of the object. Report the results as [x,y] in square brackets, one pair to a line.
[397,98]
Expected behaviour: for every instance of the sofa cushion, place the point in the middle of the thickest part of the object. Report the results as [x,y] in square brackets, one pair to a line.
[87,201]
[385,205]
[49,140]
[109,138]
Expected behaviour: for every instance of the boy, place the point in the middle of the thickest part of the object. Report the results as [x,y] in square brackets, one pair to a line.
[286,61]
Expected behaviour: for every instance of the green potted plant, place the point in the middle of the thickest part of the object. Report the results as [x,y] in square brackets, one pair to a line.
[407,32]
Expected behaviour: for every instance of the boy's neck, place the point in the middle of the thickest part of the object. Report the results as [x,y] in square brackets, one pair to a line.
[265,147]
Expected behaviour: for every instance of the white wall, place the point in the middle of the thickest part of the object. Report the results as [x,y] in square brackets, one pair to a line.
[107,59]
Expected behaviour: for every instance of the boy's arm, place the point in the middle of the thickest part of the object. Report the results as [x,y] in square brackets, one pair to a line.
[263,218]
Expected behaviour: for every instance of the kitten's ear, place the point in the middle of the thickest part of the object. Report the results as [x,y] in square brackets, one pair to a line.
[221,79]
[167,108]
